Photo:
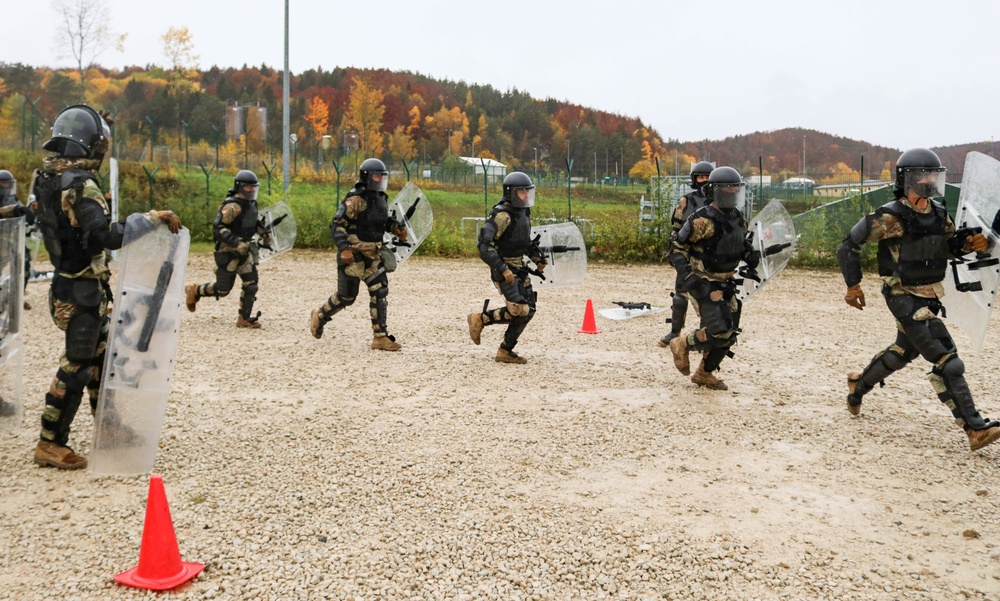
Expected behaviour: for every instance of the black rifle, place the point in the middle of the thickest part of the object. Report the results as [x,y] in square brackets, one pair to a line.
[154,302]
[262,223]
[625,305]
[402,224]
[983,259]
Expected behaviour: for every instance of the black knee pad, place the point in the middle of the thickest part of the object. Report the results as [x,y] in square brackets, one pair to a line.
[894,361]
[250,288]
[82,335]
[381,293]
[953,368]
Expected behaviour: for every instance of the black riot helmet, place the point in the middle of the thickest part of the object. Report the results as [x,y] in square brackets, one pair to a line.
[370,167]
[726,188]
[513,184]
[79,132]
[700,168]
[8,185]
[920,170]
[246,182]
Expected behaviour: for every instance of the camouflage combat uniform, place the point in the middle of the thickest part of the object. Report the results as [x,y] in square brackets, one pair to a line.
[686,206]
[235,255]
[914,248]
[712,243]
[358,228]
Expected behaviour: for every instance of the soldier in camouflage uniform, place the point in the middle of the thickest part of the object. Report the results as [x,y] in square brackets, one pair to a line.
[358,229]
[708,250]
[75,222]
[11,208]
[235,250]
[504,241]
[686,206]
[915,239]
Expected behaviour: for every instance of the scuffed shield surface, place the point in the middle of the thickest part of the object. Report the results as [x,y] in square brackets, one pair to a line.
[978,205]
[412,207]
[774,237]
[278,221]
[138,366]
[11,339]
[563,248]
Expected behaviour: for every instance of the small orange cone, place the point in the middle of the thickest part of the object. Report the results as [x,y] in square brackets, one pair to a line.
[589,325]
[160,566]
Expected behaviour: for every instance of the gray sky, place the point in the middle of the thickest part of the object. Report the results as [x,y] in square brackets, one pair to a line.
[891,72]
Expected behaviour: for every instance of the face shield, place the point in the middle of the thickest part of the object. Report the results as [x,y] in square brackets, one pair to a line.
[729,196]
[8,189]
[522,198]
[378,182]
[249,191]
[925,183]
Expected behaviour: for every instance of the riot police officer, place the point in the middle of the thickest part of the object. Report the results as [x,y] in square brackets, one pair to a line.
[708,249]
[235,250]
[504,241]
[11,207]
[358,229]
[75,223]
[686,206]
[915,239]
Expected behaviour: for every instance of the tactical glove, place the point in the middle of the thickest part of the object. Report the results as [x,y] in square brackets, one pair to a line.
[508,276]
[541,265]
[171,219]
[855,297]
[977,243]
[346,257]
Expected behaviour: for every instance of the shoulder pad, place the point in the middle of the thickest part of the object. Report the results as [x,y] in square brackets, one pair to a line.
[73,177]
[893,207]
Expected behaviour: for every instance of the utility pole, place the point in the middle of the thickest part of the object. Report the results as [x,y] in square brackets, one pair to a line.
[285,116]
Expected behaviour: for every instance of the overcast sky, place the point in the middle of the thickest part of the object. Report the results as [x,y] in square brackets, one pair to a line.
[891,72]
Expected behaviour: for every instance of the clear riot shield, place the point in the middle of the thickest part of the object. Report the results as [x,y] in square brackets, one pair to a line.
[113,190]
[11,302]
[33,242]
[280,223]
[139,364]
[772,234]
[972,281]
[563,248]
[412,207]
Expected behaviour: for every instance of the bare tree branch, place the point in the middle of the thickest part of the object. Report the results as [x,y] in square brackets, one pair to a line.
[85,33]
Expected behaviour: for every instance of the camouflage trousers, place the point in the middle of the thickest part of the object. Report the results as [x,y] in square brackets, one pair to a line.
[349,277]
[719,311]
[229,265]
[79,308]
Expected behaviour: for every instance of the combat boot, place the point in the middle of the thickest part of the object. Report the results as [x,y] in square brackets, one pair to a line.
[679,348]
[191,296]
[665,341]
[505,356]
[476,325]
[980,438]
[385,343]
[50,454]
[246,323]
[706,379]
[316,324]
[853,402]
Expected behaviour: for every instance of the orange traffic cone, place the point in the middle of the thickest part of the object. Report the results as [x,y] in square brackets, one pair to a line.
[160,567]
[589,325]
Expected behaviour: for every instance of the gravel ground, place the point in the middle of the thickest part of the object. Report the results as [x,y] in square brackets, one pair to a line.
[320,469]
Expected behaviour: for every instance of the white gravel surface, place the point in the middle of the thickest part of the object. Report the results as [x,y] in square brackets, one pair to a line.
[320,469]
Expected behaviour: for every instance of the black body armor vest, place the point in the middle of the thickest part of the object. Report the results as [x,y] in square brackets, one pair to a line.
[371,222]
[65,244]
[695,201]
[724,250]
[245,225]
[516,239]
[923,248]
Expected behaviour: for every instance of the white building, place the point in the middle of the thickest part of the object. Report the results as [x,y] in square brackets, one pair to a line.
[495,170]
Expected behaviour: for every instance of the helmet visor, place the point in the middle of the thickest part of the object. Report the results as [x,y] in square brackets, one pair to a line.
[249,191]
[926,183]
[378,181]
[8,188]
[729,196]
[522,198]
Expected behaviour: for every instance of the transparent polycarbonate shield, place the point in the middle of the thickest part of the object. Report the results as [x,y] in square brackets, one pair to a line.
[11,341]
[139,362]
[33,243]
[563,248]
[630,312]
[280,223]
[971,285]
[113,191]
[772,234]
[412,207]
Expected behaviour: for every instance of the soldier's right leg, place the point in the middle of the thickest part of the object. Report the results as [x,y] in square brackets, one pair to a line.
[347,293]
[477,321]
[83,332]
[678,312]
[520,305]
[226,264]
[892,359]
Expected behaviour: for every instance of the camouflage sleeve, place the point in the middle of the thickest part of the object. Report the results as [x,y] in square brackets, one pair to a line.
[492,229]
[694,230]
[884,227]
[7,211]
[90,213]
[677,220]
[347,213]
[228,213]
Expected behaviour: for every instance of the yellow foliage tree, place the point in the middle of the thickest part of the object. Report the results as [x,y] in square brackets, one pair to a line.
[182,62]
[643,170]
[401,144]
[449,124]
[363,116]
[318,117]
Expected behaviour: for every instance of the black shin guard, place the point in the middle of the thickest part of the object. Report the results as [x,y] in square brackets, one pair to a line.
[59,412]
[678,313]
[881,367]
